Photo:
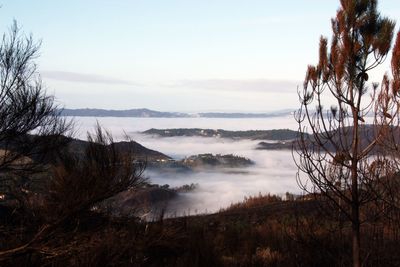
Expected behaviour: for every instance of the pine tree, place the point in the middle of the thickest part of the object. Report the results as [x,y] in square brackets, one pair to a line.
[337,155]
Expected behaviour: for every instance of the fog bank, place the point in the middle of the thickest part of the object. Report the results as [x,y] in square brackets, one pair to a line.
[274,171]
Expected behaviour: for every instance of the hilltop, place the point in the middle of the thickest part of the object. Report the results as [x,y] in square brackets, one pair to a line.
[200,162]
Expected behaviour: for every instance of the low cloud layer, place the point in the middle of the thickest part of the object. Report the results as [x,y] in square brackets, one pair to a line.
[274,171]
[83,78]
[251,85]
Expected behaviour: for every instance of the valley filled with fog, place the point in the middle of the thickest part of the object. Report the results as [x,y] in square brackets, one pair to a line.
[273,172]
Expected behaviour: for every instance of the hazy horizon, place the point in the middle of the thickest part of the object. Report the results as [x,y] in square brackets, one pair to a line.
[194,111]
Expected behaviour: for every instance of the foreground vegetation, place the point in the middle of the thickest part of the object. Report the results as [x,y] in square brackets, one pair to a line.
[260,231]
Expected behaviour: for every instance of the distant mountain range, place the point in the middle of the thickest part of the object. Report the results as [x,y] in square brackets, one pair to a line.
[147,113]
[142,113]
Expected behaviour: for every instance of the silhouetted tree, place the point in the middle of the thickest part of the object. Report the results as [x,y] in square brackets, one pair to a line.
[30,125]
[343,158]
[77,186]
[47,188]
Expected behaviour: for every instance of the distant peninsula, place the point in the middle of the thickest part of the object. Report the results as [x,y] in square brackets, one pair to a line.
[278,134]
[148,113]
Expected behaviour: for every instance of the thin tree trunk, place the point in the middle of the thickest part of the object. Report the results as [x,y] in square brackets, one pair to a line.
[356,235]
[355,205]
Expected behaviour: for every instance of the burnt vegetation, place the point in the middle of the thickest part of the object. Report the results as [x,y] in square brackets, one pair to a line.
[57,193]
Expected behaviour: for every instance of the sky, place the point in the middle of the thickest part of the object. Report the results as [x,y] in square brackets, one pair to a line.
[177,55]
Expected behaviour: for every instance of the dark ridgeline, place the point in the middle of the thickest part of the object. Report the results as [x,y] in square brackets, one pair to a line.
[276,134]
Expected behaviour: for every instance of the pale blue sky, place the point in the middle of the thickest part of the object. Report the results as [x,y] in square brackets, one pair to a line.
[225,55]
